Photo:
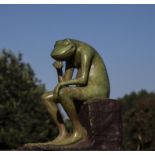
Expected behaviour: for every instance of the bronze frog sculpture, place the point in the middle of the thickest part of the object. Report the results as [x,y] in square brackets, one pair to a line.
[91,81]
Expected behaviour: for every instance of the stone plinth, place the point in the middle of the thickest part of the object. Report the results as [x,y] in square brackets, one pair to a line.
[102,120]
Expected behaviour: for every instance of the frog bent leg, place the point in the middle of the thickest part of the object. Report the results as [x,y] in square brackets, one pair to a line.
[67,96]
[50,104]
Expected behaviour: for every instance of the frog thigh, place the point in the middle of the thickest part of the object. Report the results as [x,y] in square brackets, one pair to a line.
[77,93]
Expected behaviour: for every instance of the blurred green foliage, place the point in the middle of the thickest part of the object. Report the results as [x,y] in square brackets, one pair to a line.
[23,118]
[139,121]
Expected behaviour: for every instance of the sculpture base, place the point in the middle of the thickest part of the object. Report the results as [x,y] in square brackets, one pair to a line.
[102,120]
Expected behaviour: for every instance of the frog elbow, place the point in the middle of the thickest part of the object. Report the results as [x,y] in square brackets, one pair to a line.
[83,80]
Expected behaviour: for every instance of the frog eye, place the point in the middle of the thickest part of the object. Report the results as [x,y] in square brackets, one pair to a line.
[67,42]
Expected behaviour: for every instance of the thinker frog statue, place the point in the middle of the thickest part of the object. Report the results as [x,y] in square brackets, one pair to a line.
[91,82]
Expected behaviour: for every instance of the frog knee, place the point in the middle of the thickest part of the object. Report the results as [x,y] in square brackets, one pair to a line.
[45,97]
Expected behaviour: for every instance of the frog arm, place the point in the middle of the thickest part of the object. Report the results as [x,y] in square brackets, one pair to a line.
[60,75]
[58,65]
[68,71]
[86,58]
[66,77]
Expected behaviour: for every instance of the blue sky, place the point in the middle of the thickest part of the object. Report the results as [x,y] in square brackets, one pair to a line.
[124,35]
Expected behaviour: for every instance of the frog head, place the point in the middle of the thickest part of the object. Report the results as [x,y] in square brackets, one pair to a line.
[63,50]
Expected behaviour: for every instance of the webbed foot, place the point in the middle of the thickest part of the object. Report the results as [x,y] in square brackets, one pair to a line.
[76,136]
[58,139]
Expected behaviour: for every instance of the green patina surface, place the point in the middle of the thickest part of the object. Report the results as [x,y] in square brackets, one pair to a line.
[91,81]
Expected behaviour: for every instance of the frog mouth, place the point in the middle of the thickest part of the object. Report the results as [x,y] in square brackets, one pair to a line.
[62,53]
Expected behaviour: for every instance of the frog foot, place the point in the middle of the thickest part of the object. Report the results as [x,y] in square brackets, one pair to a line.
[75,137]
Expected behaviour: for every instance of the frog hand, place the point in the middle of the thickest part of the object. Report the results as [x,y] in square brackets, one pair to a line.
[58,64]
